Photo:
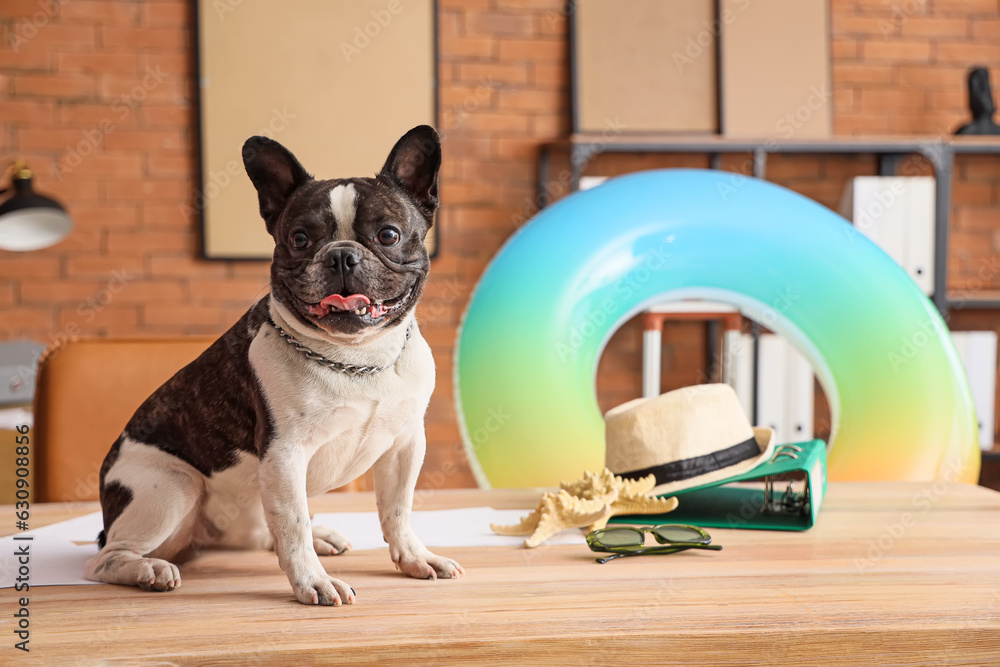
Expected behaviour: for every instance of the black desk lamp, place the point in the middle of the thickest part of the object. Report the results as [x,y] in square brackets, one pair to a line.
[28,220]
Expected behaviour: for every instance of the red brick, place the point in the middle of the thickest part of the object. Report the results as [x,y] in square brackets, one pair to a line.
[81,241]
[105,215]
[554,6]
[54,36]
[461,48]
[531,100]
[977,219]
[184,265]
[897,50]
[165,216]
[62,86]
[864,25]
[101,165]
[186,316]
[934,75]
[965,53]
[258,270]
[23,57]
[477,23]
[133,139]
[141,291]
[17,265]
[24,319]
[98,317]
[174,190]
[8,294]
[102,267]
[533,50]
[138,243]
[549,75]
[873,99]
[86,115]
[451,24]
[861,73]
[57,292]
[242,290]
[971,194]
[145,38]
[160,14]
[938,27]
[25,113]
[98,63]
[102,12]
[177,115]
[985,29]
[493,72]
[844,49]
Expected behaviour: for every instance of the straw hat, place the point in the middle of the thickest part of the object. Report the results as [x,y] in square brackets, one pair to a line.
[687,438]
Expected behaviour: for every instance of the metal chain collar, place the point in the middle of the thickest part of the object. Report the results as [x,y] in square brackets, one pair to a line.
[347,369]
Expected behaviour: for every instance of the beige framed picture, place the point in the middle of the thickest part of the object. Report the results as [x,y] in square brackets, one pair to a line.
[337,82]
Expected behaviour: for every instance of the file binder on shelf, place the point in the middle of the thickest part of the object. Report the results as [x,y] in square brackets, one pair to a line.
[765,498]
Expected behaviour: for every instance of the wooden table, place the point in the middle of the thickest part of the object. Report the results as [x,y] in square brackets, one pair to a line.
[892,574]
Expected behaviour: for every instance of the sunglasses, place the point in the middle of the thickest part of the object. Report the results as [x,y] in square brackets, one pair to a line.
[630,541]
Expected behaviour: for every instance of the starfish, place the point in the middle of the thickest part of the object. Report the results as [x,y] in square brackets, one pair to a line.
[555,512]
[623,496]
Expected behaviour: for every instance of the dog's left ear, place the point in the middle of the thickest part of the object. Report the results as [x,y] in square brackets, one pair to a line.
[275,173]
[413,164]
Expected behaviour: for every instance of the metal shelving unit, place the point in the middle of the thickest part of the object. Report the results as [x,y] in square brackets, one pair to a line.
[939,151]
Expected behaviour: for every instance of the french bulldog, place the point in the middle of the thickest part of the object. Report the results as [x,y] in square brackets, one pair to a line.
[322,379]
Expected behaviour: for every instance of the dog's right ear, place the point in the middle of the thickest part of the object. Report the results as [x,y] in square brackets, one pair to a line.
[275,173]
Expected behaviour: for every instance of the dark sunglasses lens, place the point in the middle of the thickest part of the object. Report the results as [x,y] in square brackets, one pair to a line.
[679,534]
[620,537]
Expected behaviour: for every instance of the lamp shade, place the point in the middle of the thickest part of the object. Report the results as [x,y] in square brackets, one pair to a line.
[30,221]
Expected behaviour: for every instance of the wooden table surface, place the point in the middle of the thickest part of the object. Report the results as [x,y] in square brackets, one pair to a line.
[893,573]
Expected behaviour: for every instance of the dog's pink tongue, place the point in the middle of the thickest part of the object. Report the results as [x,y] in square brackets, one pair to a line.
[352,302]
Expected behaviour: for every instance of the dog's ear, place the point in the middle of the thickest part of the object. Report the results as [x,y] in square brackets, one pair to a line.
[413,164]
[275,173]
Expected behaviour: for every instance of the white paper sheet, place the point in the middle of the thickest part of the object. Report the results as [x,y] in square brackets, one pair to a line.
[81,529]
[467,527]
[57,561]
[52,561]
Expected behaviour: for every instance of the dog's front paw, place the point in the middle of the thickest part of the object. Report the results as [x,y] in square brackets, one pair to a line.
[322,589]
[425,565]
[329,542]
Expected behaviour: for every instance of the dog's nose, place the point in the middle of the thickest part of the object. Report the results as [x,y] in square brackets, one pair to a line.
[343,259]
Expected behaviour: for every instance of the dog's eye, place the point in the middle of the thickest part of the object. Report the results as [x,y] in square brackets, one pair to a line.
[300,240]
[388,236]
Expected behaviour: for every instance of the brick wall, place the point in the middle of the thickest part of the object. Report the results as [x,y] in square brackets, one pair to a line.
[96,94]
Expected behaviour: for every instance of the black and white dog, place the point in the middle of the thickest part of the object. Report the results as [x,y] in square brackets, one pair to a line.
[322,379]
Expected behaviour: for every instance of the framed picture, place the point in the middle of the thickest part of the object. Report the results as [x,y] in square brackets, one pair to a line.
[337,82]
